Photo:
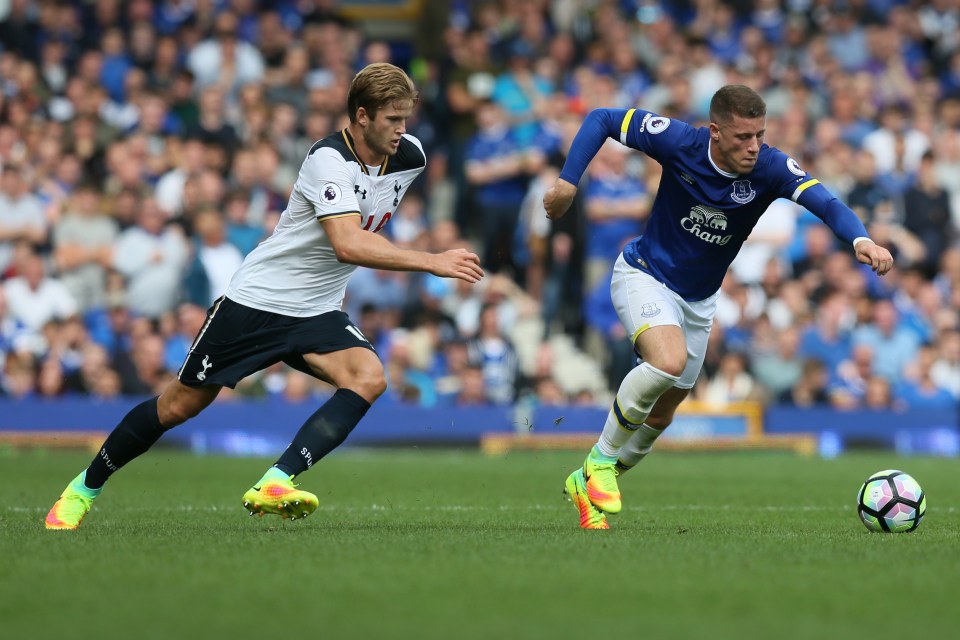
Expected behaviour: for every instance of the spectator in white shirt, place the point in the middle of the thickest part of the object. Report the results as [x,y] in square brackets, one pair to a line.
[21,214]
[219,258]
[224,59]
[83,245]
[190,162]
[34,299]
[945,371]
[152,256]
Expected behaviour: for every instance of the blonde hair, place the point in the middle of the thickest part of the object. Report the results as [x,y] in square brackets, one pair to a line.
[378,85]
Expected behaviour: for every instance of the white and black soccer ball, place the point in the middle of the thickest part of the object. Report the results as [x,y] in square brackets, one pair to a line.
[891,501]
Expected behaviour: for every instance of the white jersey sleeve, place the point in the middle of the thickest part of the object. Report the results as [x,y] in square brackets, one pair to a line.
[327,182]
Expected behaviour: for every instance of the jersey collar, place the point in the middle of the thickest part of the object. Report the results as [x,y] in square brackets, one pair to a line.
[363,167]
[725,174]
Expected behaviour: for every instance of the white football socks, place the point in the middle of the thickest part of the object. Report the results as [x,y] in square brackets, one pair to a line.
[636,396]
[639,445]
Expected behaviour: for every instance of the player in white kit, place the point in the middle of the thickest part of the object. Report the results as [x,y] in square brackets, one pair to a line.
[283,303]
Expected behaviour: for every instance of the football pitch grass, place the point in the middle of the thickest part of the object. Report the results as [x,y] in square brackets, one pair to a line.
[454,544]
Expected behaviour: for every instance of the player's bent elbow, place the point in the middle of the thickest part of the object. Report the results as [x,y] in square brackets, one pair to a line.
[346,253]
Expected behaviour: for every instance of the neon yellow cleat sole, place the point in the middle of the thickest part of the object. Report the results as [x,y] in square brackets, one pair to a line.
[282,498]
[576,490]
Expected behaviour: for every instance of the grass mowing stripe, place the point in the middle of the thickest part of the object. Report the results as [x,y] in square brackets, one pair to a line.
[454,544]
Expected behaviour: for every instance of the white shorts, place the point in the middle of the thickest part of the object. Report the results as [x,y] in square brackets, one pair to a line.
[642,302]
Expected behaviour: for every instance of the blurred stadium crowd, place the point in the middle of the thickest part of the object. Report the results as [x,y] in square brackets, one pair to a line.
[148,145]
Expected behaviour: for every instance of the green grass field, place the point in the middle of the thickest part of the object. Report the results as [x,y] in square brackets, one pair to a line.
[410,544]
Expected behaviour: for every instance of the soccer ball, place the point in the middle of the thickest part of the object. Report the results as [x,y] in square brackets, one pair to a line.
[891,501]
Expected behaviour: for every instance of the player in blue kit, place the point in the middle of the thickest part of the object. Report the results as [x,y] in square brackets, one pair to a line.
[717,181]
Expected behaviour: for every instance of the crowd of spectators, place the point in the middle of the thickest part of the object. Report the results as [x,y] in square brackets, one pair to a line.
[146,146]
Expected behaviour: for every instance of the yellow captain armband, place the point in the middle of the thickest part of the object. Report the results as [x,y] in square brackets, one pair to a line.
[625,125]
[803,187]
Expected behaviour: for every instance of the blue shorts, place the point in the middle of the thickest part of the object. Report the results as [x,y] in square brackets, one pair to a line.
[236,341]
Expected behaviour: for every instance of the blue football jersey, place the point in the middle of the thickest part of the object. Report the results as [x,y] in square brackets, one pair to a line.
[701,214]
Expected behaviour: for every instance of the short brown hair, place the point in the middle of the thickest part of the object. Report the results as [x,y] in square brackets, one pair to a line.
[736,100]
[378,85]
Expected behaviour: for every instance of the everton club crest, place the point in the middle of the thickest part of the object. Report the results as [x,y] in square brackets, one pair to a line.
[743,192]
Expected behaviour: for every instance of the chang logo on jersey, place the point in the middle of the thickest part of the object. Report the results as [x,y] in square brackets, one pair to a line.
[742,192]
[702,221]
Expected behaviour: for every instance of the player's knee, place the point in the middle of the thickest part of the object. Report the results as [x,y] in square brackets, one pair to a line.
[369,385]
[671,364]
[640,390]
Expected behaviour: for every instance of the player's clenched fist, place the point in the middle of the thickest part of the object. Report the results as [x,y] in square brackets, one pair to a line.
[557,199]
[879,258]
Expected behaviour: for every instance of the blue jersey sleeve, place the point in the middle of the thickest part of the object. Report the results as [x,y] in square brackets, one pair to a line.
[838,216]
[599,125]
[657,136]
[799,186]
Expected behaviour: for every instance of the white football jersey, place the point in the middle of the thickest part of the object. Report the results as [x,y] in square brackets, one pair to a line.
[295,271]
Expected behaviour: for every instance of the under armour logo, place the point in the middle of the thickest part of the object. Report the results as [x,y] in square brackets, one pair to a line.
[396,190]
[362,192]
[206,364]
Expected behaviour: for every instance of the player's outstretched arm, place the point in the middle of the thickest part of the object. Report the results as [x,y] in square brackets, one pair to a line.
[353,245]
[879,258]
[844,223]
[599,125]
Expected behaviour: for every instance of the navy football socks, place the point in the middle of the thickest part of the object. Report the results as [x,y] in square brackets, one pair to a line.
[136,433]
[323,432]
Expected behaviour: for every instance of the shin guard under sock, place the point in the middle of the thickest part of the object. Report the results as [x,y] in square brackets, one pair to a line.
[323,432]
